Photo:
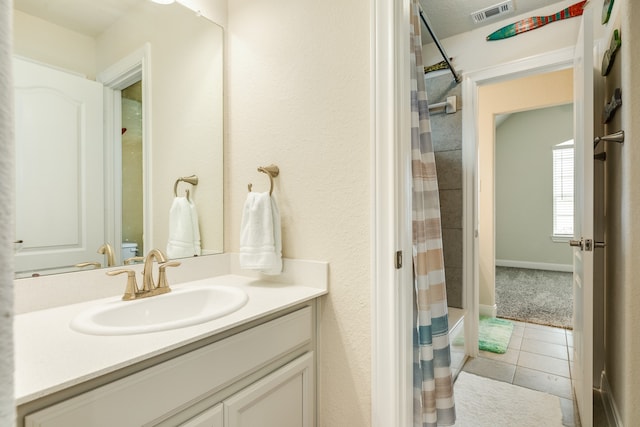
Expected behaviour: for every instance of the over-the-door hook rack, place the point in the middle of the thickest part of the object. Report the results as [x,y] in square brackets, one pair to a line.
[272,171]
[614,137]
[193,180]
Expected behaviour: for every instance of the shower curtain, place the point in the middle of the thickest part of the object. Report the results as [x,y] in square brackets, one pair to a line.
[433,382]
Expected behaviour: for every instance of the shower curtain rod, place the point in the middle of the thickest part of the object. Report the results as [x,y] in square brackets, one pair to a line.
[456,77]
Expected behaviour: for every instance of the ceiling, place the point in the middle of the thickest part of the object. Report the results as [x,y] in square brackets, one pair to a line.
[89,17]
[451,17]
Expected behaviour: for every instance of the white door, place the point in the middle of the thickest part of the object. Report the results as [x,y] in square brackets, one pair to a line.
[59,168]
[581,368]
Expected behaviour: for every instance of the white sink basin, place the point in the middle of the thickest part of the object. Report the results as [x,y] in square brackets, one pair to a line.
[179,308]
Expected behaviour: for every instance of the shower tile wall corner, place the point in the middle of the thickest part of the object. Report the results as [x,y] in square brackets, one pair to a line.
[446,134]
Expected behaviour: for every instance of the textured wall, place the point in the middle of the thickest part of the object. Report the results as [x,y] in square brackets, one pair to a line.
[446,134]
[7,226]
[298,96]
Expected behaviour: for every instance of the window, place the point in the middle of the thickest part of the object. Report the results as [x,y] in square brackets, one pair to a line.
[563,155]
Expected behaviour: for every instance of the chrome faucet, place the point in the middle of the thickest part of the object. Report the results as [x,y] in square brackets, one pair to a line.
[149,287]
[106,249]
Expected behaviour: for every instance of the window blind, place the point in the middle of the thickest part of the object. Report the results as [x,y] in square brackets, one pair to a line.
[563,189]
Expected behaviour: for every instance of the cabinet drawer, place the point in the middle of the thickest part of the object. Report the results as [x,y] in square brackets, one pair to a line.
[212,417]
[284,398]
[150,394]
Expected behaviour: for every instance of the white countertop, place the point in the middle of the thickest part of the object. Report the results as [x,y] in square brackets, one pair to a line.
[50,356]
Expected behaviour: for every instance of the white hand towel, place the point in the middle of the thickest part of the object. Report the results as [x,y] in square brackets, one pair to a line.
[260,234]
[184,230]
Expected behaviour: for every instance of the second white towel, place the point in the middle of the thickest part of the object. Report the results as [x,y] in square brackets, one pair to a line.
[260,234]
[184,229]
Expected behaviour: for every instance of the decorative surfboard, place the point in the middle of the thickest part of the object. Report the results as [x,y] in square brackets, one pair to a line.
[535,22]
[606,11]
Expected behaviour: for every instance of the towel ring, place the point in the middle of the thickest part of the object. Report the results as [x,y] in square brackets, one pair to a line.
[272,171]
[193,180]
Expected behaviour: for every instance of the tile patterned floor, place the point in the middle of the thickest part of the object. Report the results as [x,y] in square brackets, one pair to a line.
[537,358]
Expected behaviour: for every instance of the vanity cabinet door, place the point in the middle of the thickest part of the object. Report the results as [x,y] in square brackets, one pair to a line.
[284,398]
[212,417]
[188,378]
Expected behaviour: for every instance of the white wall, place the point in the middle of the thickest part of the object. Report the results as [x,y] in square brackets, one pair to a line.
[7,223]
[215,10]
[524,188]
[471,52]
[299,97]
[51,44]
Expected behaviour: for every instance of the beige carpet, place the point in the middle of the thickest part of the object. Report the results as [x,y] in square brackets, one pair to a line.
[535,296]
[482,402]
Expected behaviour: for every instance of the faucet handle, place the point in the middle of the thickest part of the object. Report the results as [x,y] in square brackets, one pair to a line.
[162,276]
[94,264]
[131,290]
[133,259]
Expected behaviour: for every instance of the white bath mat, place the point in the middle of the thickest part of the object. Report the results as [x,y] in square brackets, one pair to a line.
[482,402]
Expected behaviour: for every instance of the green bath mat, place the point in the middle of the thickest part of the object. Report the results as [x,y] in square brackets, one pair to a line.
[493,335]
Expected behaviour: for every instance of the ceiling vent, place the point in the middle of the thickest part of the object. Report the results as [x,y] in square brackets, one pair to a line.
[492,11]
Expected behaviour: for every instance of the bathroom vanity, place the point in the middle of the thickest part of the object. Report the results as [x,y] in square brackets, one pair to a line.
[255,366]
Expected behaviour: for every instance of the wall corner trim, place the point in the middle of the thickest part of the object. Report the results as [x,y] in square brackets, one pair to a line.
[488,310]
[609,403]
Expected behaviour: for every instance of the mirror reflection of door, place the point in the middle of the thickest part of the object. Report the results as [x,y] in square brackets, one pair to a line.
[132,181]
[59,170]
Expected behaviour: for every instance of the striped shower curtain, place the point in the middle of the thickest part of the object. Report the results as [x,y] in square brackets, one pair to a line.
[433,382]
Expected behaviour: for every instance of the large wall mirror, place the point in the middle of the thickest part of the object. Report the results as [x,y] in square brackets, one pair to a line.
[115,103]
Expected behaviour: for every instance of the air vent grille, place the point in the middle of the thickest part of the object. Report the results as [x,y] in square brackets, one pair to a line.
[492,11]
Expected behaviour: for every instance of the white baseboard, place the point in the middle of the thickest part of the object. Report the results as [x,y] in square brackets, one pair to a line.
[610,408]
[488,310]
[534,265]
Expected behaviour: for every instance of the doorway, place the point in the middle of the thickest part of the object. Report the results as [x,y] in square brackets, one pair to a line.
[132,156]
[534,195]
[126,82]
[514,96]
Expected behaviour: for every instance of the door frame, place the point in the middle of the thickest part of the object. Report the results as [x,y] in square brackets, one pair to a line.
[543,63]
[134,67]
[391,316]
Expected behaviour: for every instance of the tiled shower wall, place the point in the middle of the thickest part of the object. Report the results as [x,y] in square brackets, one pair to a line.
[446,133]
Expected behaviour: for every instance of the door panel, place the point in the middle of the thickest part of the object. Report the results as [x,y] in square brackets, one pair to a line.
[582,365]
[59,168]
